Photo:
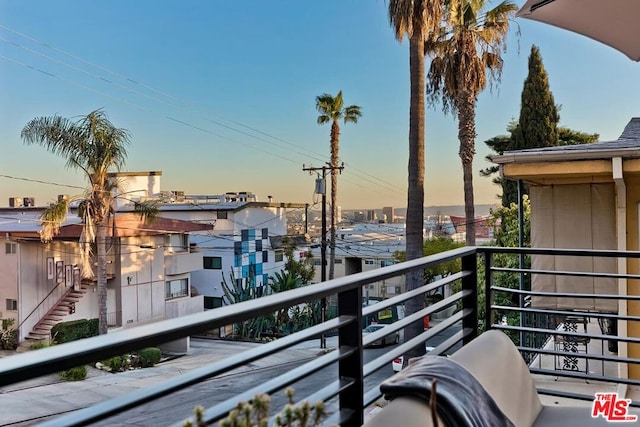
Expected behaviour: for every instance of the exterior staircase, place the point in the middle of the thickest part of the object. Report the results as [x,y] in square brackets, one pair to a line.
[42,330]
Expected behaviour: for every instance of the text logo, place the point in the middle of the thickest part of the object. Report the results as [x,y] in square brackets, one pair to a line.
[612,408]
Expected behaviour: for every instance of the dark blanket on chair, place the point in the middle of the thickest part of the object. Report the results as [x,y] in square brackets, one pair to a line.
[460,398]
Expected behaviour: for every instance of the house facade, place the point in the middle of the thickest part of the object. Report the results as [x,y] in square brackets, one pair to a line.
[245,240]
[364,247]
[586,197]
[148,273]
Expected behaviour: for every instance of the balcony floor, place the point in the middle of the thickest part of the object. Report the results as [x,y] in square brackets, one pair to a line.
[577,385]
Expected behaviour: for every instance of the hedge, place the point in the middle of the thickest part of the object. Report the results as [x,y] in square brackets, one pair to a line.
[75,330]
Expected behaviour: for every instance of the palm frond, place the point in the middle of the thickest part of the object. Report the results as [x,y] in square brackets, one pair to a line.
[408,17]
[148,210]
[52,219]
[352,113]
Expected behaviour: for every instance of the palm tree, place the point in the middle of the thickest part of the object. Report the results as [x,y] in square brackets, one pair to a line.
[415,19]
[332,109]
[93,145]
[465,54]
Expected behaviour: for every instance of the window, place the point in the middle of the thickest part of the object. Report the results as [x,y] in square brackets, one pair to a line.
[222,214]
[338,261]
[212,302]
[177,288]
[317,262]
[212,263]
[10,248]
[368,262]
[386,262]
[279,255]
[12,304]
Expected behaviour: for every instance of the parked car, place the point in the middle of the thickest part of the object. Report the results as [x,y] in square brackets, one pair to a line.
[389,339]
[396,364]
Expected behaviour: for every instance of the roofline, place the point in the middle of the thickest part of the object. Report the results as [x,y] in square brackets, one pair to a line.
[551,156]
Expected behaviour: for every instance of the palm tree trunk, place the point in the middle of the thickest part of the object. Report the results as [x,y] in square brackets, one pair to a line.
[467,136]
[101,240]
[415,199]
[335,136]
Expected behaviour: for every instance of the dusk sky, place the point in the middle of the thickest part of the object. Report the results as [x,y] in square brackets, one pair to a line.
[220,95]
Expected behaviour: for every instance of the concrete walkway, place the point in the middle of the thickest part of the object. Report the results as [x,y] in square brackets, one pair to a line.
[29,401]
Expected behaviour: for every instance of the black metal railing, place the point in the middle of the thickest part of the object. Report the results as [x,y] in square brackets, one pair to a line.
[349,388]
[564,338]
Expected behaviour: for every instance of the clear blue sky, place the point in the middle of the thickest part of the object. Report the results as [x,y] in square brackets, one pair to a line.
[171,72]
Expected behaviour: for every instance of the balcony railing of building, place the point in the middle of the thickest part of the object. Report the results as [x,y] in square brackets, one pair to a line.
[346,392]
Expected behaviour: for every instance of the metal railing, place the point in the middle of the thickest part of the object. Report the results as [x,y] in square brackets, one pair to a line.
[564,336]
[347,389]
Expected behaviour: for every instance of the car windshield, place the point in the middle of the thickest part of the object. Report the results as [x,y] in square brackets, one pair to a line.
[372,328]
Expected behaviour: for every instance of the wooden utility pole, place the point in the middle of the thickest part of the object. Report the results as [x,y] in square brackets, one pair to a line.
[321,186]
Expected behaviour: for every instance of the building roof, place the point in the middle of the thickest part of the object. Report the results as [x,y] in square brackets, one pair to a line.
[627,145]
[126,225]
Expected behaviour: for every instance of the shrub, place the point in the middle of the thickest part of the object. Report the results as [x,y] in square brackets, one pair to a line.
[38,345]
[74,330]
[8,335]
[117,363]
[74,374]
[147,357]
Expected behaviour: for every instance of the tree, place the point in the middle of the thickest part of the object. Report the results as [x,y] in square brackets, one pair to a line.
[93,145]
[540,126]
[468,44]
[331,110]
[432,247]
[537,126]
[415,19]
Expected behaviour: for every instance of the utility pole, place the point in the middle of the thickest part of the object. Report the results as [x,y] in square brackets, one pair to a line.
[321,186]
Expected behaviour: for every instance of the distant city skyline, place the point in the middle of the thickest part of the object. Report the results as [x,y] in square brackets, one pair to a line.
[220,96]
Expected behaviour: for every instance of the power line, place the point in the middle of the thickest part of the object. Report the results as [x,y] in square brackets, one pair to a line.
[307,152]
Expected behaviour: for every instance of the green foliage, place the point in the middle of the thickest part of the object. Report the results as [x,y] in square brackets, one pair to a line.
[117,363]
[432,247]
[538,112]
[245,290]
[505,220]
[8,335]
[74,330]
[568,136]
[536,128]
[147,357]
[38,345]
[303,269]
[74,374]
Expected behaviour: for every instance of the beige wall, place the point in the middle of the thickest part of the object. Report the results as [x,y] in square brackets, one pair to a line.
[633,286]
[8,279]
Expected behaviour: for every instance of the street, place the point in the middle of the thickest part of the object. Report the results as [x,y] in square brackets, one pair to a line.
[178,406]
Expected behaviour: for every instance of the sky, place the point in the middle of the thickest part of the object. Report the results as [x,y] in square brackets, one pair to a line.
[220,95]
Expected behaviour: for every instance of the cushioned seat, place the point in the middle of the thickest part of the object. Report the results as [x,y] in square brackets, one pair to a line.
[498,366]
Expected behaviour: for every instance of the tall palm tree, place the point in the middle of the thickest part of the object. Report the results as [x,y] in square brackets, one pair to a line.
[466,54]
[331,110]
[93,145]
[417,20]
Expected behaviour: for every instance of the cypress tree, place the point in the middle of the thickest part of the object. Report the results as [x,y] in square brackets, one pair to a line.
[539,117]
[537,127]
[538,122]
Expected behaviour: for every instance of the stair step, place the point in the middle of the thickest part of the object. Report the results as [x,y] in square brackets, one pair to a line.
[48,322]
[37,336]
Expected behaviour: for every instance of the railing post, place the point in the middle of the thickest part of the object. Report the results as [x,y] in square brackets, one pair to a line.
[488,294]
[470,282]
[352,398]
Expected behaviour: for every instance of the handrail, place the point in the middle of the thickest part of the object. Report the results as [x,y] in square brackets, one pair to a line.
[41,302]
[348,385]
